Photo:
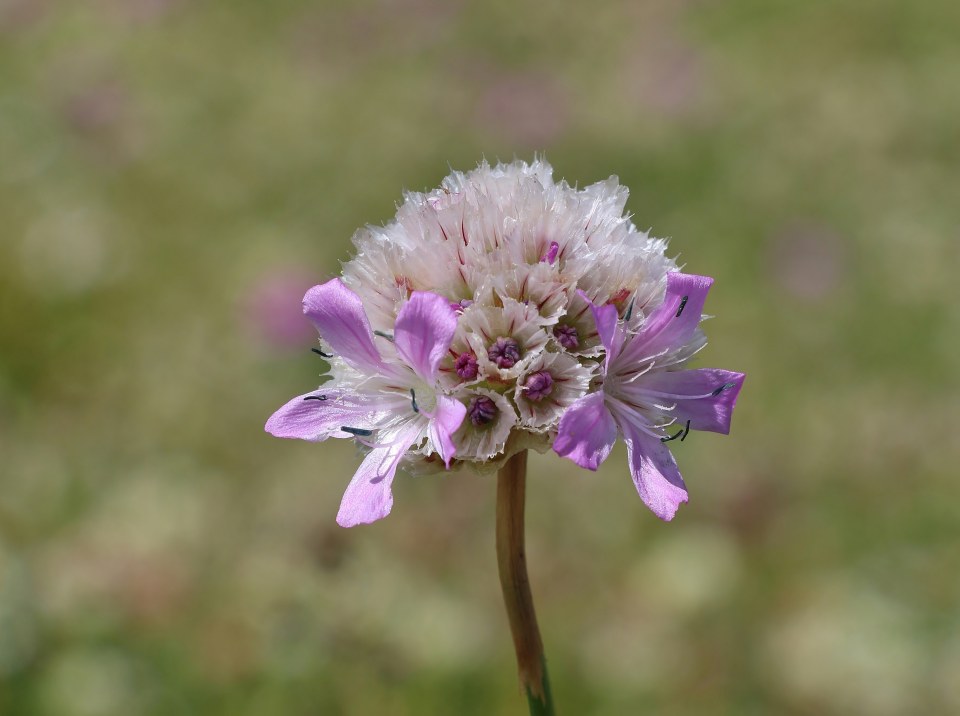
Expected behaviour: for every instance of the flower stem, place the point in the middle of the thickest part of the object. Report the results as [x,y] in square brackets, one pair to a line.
[531,663]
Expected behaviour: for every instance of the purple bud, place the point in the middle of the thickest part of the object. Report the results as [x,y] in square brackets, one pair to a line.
[460,305]
[466,366]
[538,385]
[567,337]
[551,254]
[505,352]
[481,410]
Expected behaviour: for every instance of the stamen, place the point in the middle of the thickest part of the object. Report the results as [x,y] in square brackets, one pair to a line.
[315,397]
[384,334]
[629,312]
[413,400]
[359,432]
[725,386]
[683,302]
[673,437]
[321,353]
[640,373]
[686,430]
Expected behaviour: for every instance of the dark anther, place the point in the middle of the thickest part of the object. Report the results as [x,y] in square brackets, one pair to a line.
[315,397]
[384,334]
[725,386]
[629,312]
[413,400]
[685,431]
[683,302]
[673,437]
[321,353]
[360,432]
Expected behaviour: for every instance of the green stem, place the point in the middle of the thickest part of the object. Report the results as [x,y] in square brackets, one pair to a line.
[531,663]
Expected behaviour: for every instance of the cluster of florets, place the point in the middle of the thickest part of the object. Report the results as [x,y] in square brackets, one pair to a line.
[498,313]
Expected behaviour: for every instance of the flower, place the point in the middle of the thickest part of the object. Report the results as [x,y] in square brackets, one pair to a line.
[550,384]
[393,401]
[505,311]
[645,391]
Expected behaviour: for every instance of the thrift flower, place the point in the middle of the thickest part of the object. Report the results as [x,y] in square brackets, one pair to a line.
[505,311]
[645,391]
[390,402]
[502,312]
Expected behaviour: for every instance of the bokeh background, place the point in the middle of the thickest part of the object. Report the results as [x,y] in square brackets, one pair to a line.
[175,173]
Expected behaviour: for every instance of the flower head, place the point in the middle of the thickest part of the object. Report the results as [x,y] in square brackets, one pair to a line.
[501,311]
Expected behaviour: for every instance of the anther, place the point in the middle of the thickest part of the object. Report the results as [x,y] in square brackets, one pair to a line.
[629,312]
[384,334]
[686,430]
[673,437]
[315,397]
[321,353]
[725,386]
[359,432]
[413,401]
[683,302]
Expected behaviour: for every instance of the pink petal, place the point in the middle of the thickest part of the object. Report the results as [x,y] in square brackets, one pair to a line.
[705,396]
[369,497]
[587,432]
[338,314]
[654,472]
[307,418]
[664,329]
[424,331]
[444,422]
[611,335]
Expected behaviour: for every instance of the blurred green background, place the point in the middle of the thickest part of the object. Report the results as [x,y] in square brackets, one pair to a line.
[174,174]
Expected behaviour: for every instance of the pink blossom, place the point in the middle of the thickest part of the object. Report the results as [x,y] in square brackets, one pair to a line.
[387,401]
[646,392]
